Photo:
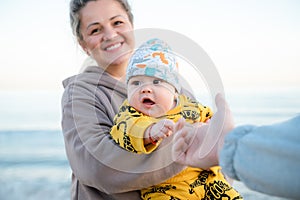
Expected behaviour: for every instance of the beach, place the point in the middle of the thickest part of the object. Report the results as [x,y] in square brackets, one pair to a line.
[33,163]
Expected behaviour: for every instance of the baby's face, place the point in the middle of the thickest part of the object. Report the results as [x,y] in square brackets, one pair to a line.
[151,96]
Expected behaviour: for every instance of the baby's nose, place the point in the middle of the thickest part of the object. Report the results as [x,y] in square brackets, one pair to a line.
[146,89]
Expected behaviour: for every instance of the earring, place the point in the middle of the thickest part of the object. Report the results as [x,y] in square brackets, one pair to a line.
[86,51]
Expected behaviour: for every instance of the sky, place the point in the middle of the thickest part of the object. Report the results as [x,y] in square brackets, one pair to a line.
[251,42]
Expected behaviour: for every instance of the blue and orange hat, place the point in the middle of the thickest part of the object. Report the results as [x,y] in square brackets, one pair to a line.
[154,58]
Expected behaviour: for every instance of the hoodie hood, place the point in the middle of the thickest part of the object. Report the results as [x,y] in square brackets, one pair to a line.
[94,75]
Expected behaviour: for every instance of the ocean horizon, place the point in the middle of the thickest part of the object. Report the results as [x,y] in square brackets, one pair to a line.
[33,163]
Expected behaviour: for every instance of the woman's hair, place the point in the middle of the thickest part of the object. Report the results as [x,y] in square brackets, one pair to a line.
[77,5]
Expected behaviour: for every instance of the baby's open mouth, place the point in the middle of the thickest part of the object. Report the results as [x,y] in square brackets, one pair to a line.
[148,101]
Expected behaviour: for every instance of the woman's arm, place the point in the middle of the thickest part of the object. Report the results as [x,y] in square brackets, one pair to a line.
[94,157]
[265,158]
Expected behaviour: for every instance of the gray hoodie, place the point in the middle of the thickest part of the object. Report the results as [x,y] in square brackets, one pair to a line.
[101,169]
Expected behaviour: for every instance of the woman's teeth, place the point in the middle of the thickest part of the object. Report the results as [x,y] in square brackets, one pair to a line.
[113,47]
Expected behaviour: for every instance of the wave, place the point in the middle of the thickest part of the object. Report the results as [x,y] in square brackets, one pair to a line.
[34,162]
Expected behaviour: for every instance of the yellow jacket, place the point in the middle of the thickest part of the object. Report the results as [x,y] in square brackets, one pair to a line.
[130,124]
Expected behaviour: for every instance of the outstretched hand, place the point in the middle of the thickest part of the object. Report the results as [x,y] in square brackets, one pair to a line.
[199,146]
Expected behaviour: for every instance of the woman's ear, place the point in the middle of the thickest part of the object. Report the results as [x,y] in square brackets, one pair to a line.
[83,46]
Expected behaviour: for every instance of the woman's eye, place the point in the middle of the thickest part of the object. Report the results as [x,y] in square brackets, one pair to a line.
[156,82]
[117,23]
[95,31]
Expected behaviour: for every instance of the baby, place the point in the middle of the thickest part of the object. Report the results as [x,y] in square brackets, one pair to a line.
[153,111]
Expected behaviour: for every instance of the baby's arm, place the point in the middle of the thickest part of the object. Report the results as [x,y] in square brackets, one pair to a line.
[139,133]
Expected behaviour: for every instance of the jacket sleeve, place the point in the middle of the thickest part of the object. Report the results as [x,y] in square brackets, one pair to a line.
[205,113]
[95,159]
[265,158]
[202,113]
[129,128]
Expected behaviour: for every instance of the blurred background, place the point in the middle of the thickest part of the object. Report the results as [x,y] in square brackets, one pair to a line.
[255,46]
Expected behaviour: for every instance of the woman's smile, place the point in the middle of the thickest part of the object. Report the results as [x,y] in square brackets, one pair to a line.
[113,47]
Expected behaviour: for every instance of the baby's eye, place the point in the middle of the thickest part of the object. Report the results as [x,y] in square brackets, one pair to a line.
[156,82]
[136,83]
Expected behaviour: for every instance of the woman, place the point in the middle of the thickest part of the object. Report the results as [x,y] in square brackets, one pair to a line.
[91,99]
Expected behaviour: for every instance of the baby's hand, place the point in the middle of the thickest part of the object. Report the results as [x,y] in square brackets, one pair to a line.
[160,130]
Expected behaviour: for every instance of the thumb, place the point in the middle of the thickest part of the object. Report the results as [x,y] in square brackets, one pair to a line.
[223,114]
[179,124]
[220,101]
[215,126]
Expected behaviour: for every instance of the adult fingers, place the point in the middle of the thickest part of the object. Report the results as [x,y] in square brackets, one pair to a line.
[179,124]
[179,147]
[220,101]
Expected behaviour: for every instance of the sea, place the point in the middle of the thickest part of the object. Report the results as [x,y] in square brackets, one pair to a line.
[33,163]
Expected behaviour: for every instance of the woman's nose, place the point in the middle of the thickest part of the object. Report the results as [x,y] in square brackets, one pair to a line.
[109,33]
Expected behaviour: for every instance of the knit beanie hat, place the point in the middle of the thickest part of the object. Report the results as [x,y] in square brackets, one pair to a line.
[154,58]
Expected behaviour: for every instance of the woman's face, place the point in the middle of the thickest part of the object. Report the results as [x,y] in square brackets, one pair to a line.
[107,33]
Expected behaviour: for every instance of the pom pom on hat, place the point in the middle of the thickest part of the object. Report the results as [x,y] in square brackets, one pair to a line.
[154,58]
